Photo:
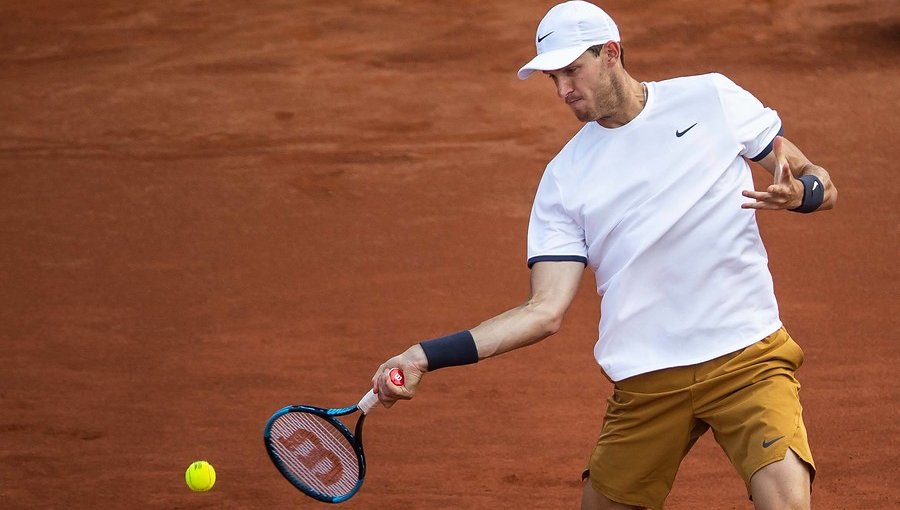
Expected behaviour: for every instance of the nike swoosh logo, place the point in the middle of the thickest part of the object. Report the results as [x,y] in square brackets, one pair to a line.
[769,443]
[815,185]
[679,134]
[541,38]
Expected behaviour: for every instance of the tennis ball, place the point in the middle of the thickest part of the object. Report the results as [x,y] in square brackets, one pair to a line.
[200,476]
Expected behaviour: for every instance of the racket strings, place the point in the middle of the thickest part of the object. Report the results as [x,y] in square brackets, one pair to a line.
[316,453]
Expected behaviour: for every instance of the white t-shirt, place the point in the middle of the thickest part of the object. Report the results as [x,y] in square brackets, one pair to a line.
[654,209]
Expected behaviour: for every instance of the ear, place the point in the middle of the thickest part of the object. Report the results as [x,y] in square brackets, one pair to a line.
[611,53]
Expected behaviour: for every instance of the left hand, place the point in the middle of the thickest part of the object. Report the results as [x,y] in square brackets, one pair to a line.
[785,193]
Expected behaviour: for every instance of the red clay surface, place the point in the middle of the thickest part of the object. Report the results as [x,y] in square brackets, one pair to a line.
[209,210]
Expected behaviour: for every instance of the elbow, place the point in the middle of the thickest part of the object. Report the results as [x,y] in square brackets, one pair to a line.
[831,191]
[550,321]
[550,328]
[830,199]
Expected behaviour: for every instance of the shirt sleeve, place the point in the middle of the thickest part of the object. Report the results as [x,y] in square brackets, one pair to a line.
[553,235]
[753,125]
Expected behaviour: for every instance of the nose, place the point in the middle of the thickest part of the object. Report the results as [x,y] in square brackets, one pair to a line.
[563,87]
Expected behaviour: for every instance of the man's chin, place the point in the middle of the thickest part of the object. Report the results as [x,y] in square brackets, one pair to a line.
[580,113]
[584,116]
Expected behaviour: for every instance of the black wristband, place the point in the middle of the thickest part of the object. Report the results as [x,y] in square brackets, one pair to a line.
[813,194]
[451,350]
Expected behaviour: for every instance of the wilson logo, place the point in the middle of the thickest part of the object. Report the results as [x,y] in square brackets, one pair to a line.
[309,451]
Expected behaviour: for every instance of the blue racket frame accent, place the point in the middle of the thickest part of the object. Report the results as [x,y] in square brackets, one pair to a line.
[329,415]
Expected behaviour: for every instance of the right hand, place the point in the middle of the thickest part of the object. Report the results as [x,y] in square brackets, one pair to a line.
[412,363]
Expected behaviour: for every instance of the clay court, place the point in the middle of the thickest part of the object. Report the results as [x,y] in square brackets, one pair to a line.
[210,210]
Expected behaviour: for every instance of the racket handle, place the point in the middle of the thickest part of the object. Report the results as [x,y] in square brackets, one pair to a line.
[370,400]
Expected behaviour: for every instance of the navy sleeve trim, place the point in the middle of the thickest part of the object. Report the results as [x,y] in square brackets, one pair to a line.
[765,152]
[556,258]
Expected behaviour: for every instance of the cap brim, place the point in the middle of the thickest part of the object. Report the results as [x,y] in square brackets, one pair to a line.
[552,60]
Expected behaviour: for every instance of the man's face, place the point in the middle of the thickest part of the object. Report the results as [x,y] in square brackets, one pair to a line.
[585,86]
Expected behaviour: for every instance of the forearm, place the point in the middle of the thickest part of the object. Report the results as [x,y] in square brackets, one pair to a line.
[553,286]
[519,327]
[513,329]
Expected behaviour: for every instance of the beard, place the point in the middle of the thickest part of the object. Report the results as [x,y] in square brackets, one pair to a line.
[604,101]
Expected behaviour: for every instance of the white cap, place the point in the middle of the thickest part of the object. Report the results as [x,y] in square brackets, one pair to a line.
[566,32]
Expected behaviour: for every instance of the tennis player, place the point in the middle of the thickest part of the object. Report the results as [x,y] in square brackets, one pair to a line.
[654,194]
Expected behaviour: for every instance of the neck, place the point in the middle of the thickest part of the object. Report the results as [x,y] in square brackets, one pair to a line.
[630,97]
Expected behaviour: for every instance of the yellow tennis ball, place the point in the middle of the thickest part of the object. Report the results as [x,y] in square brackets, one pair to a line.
[200,476]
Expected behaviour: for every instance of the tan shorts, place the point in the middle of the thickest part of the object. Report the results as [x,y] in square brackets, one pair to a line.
[749,398]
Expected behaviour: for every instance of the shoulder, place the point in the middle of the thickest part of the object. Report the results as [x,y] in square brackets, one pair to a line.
[563,171]
[713,89]
[698,83]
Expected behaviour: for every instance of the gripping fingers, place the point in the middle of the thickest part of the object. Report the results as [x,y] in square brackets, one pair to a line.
[375,379]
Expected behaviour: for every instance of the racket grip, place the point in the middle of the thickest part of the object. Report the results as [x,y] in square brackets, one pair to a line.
[370,400]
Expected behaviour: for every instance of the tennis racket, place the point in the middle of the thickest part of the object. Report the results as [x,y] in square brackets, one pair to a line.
[316,452]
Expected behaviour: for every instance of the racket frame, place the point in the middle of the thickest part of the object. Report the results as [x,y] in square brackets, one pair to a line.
[330,415]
